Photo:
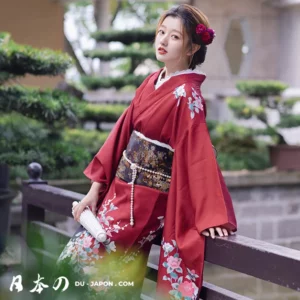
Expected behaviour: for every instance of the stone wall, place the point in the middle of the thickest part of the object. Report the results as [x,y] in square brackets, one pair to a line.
[267,205]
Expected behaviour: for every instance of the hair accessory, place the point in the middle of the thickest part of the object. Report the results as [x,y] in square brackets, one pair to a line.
[207,34]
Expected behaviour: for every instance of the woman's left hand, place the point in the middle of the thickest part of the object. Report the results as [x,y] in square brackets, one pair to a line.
[220,231]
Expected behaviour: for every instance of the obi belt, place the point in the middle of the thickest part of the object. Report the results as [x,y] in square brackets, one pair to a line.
[145,162]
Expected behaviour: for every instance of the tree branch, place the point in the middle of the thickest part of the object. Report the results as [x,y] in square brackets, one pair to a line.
[71,52]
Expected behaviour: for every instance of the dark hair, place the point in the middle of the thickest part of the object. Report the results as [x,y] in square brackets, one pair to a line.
[190,16]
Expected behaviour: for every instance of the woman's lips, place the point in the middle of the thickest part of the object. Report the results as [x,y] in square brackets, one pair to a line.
[162,51]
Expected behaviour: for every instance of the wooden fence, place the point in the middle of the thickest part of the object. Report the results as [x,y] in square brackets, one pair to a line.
[273,263]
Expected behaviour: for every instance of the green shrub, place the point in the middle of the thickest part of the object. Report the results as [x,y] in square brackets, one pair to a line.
[231,138]
[102,112]
[289,121]
[252,160]
[238,147]
[107,55]
[92,140]
[261,88]
[125,36]
[93,82]
[269,95]
[24,140]
[21,59]
[48,105]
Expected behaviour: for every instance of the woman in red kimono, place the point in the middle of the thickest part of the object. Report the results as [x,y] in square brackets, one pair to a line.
[157,173]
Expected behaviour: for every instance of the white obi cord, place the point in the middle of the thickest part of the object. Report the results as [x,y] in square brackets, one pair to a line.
[135,166]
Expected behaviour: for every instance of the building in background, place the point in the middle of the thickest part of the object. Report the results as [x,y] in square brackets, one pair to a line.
[256,39]
[38,23]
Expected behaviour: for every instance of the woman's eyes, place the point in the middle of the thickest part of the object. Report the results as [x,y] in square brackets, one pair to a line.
[162,32]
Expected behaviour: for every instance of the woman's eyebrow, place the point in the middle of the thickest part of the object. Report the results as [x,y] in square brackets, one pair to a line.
[172,29]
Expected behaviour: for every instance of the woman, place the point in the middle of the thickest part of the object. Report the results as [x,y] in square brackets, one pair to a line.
[157,172]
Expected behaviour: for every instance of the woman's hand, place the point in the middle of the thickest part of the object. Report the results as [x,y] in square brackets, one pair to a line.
[91,200]
[220,231]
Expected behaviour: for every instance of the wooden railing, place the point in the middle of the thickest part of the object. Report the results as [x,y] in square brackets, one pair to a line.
[273,263]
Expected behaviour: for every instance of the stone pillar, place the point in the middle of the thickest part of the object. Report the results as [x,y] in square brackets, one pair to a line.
[289,45]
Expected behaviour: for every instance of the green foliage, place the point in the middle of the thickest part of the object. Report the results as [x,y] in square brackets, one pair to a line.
[244,111]
[33,129]
[260,88]
[288,104]
[93,82]
[211,124]
[107,55]
[237,147]
[151,11]
[125,36]
[48,105]
[289,121]
[4,76]
[4,37]
[91,140]
[269,95]
[231,138]
[102,112]
[24,140]
[252,160]
[21,59]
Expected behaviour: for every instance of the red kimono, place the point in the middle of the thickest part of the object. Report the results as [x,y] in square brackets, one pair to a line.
[174,115]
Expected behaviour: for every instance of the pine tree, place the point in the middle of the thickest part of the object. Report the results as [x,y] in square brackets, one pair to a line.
[32,120]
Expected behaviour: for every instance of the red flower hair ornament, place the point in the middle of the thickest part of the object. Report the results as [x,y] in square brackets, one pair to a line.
[207,34]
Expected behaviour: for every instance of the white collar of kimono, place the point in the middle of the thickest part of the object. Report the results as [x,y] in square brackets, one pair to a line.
[160,80]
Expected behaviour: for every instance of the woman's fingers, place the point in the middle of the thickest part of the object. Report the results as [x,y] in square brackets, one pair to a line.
[212,232]
[78,209]
[225,231]
[205,232]
[219,231]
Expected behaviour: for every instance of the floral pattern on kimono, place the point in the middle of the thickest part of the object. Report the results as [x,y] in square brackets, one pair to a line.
[83,250]
[194,102]
[182,287]
[146,239]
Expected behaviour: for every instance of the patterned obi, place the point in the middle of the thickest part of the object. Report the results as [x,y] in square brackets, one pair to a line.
[146,162]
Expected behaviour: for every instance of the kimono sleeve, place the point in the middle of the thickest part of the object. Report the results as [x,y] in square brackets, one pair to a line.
[197,180]
[103,166]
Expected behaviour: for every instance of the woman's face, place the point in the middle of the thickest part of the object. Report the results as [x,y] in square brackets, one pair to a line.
[169,42]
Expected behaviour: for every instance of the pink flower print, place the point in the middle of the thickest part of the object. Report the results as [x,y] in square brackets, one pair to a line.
[192,275]
[186,289]
[95,250]
[87,242]
[174,262]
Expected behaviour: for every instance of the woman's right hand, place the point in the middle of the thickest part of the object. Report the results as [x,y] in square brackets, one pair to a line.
[91,200]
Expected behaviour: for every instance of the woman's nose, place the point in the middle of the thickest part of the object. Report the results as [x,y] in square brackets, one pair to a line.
[164,40]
